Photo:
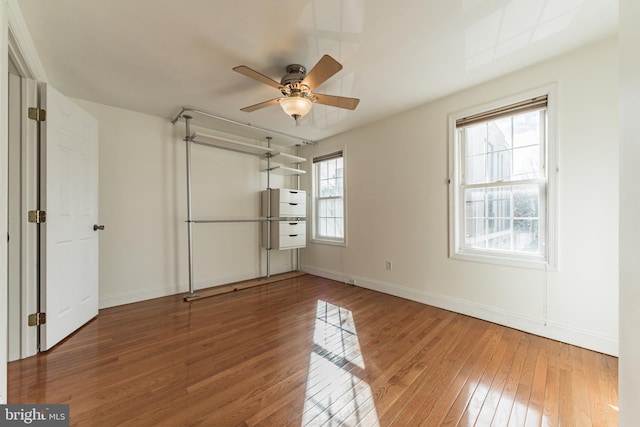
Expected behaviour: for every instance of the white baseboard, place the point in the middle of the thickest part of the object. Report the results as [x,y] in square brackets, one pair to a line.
[556,331]
[121,298]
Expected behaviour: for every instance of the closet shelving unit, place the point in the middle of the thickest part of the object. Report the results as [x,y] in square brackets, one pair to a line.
[278,162]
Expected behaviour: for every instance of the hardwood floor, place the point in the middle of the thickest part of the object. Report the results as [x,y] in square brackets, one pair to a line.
[310,351]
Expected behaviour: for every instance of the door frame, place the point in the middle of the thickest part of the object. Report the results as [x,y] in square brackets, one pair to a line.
[16,41]
[23,258]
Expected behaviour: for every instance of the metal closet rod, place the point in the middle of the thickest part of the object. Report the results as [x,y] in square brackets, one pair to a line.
[247,125]
[273,218]
[215,221]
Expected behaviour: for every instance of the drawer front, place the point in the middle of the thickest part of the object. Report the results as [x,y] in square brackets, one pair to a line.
[290,209]
[285,234]
[284,195]
[285,228]
[289,242]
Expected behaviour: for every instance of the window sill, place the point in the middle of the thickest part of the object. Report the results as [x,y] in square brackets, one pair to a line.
[342,243]
[504,260]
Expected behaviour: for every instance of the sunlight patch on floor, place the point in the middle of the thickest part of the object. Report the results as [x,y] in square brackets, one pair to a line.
[335,394]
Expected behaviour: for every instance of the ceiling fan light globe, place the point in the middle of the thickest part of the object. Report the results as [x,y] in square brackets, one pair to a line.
[296,106]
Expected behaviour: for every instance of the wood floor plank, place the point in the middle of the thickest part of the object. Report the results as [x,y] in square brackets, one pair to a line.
[480,393]
[566,406]
[523,391]
[596,402]
[581,404]
[608,373]
[550,415]
[535,409]
[312,351]
[508,397]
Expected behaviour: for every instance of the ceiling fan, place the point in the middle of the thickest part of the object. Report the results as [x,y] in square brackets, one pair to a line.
[297,88]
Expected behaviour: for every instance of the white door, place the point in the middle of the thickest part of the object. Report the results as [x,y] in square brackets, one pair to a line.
[69,196]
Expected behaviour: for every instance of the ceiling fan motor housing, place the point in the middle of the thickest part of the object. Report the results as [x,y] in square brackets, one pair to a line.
[295,74]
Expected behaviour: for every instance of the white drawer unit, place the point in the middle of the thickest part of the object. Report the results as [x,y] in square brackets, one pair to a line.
[285,234]
[285,203]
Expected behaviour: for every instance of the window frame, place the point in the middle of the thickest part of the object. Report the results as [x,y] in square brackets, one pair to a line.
[315,188]
[547,186]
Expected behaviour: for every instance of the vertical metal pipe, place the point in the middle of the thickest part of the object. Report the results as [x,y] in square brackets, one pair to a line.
[187,140]
[268,209]
[297,188]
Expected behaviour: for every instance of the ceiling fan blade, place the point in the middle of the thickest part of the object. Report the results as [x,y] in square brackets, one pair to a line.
[251,73]
[260,105]
[337,101]
[325,68]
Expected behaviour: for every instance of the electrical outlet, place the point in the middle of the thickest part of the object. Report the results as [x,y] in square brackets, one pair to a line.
[389,265]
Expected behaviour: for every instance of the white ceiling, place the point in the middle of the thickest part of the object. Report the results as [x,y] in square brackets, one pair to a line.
[154,56]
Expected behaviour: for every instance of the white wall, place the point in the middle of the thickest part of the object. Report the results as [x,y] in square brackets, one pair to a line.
[143,249]
[397,209]
[629,365]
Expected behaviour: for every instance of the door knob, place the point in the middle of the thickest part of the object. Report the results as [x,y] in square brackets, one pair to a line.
[97,227]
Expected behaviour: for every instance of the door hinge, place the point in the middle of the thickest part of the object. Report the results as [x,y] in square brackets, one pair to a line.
[37,319]
[37,114]
[37,216]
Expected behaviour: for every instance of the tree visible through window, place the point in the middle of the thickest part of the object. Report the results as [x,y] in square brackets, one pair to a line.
[329,197]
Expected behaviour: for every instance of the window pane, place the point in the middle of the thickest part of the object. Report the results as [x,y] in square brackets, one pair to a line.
[499,166]
[499,202]
[322,166]
[476,171]
[526,233]
[339,167]
[475,204]
[525,201]
[475,233]
[322,208]
[499,234]
[325,190]
[475,139]
[499,136]
[331,227]
[526,129]
[526,162]
[339,208]
[500,132]
[322,226]
[336,187]
[339,228]
[331,208]
[331,171]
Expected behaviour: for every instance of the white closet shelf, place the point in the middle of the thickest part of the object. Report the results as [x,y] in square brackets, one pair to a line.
[286,159]
[283,170]
[229,144]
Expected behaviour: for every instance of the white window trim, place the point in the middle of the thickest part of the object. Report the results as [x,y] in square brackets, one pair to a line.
[551,237]
[314,239]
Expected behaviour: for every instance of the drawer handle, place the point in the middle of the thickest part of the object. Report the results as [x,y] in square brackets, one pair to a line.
[293,204]
[293,192]
[293,235]
[293,223]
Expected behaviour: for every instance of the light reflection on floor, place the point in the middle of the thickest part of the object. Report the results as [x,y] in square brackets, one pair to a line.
[335,394]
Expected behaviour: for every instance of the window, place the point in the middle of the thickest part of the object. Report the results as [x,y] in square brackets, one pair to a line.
[500,185]
[328,198]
